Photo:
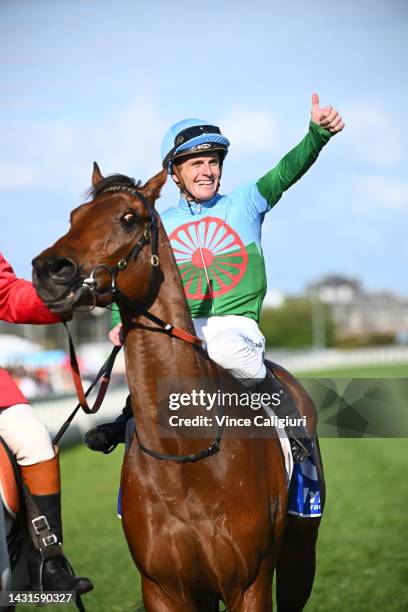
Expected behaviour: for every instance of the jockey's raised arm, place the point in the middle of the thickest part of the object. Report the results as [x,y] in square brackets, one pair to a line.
[216,240]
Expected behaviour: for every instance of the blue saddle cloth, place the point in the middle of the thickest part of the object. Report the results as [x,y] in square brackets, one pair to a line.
[304,492]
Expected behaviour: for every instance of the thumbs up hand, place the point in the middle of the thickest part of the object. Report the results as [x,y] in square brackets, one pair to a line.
[326,117]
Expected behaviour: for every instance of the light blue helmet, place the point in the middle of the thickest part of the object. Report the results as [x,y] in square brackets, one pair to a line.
[192,136]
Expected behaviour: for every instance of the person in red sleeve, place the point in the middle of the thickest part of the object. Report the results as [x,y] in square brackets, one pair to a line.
[30,442]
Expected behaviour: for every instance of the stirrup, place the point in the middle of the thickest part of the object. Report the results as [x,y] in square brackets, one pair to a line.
[301,450]
[60,576]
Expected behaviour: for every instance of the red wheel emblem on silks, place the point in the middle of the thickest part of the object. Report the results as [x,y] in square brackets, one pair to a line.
[212,245]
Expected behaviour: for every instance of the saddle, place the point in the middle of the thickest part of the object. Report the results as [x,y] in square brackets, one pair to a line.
[9,490]
[299,395]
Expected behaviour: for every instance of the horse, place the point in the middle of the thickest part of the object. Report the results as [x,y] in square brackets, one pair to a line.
[206,522]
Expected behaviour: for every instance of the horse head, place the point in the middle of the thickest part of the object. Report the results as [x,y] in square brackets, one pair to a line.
[110,247]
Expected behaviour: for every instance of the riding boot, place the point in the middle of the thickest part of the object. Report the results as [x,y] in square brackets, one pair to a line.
[106,437]
[48,567]
[300,442]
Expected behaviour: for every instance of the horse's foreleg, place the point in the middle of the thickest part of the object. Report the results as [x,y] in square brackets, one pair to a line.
[258,597]
[155,600]
[296,567]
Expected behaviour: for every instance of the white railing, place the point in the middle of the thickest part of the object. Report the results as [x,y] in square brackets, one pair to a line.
[54,412]
[332,358]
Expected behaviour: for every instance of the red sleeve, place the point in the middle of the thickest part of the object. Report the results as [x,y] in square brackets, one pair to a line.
[19,302]
[10,393]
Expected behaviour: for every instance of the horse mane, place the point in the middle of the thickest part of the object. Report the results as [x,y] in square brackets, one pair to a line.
[113,180]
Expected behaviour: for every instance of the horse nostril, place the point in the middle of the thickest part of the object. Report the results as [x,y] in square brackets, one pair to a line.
[61,269]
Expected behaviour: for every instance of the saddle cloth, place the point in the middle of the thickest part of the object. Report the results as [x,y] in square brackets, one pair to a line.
[303,481]
[304,492]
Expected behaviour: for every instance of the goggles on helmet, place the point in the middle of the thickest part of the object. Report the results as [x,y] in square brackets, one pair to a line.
[192,132]
[188,134]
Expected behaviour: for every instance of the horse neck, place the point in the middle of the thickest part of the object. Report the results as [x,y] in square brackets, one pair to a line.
[152,355]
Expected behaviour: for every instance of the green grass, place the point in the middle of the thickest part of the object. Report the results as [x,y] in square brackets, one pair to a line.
[393,370]
[362,551]
[94,537]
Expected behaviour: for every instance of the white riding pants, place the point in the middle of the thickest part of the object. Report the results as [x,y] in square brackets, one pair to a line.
[235,343]
[25,434]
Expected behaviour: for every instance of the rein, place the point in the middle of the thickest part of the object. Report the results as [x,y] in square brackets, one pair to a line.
[150,234]
[104,373]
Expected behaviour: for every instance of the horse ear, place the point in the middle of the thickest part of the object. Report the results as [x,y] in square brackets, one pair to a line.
[96,175]
[154,185]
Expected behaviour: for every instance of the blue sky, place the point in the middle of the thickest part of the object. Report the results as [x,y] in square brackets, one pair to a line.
[84,80]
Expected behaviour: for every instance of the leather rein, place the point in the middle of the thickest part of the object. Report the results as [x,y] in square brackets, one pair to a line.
[150,235]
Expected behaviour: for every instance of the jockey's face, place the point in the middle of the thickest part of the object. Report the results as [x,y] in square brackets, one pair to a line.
[200,174]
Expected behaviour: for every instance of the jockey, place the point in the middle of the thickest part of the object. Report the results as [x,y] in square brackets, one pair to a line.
[220,260]
[31,444]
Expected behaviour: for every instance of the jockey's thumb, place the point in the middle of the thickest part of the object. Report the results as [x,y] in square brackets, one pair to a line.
[315,101]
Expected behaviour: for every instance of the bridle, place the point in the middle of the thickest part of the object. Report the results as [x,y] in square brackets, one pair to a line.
[150,235]
[90,283]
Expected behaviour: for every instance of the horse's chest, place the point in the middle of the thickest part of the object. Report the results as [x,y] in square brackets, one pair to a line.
[199,539]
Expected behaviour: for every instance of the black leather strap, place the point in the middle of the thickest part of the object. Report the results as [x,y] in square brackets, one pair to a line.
[44,540]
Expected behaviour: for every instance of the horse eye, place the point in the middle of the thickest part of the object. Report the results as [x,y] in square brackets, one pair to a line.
[129,220]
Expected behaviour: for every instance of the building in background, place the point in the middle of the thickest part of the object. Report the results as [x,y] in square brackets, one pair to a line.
[357,313]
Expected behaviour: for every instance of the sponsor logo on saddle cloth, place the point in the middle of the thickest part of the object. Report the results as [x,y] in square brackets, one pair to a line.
[304,494]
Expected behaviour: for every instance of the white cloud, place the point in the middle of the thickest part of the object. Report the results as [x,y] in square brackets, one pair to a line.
[251,130]
[388,194]
[131,141]
[373,137]
[59,155]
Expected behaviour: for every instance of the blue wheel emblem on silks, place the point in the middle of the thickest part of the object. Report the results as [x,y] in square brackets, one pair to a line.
[304,494]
